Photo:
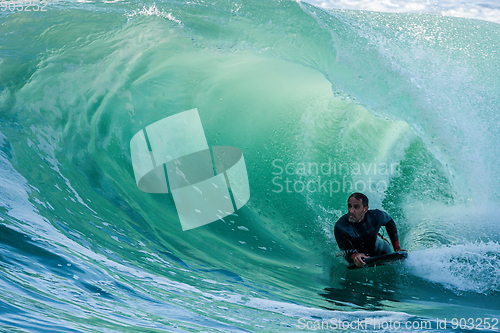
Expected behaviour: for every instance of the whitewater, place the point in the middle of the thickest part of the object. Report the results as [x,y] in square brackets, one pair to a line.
[397,99]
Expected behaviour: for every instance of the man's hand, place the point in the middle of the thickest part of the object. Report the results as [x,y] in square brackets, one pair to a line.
[396,246]
[358,259]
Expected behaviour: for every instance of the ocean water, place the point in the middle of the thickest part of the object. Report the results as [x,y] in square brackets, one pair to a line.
[398,99]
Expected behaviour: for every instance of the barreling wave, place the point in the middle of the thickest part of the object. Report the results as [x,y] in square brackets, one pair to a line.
[403,107]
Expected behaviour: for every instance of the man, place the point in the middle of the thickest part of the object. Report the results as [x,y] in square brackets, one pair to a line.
[357,232]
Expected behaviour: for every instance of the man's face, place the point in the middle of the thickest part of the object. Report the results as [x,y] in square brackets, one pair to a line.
[356,210]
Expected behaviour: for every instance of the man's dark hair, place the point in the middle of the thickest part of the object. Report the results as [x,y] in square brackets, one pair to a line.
[360,196]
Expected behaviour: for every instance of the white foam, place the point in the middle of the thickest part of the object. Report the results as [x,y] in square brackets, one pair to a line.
[464,267]
[481,10]
[153,11]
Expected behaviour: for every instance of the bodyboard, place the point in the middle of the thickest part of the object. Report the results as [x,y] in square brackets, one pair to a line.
[382,259]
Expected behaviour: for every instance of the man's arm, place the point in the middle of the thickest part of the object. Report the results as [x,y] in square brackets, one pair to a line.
[345,245]
[386,220]
[392,231]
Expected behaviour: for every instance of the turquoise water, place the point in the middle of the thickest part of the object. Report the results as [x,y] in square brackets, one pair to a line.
[403,107]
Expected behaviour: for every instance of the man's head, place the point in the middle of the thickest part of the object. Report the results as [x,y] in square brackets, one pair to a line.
[357,206]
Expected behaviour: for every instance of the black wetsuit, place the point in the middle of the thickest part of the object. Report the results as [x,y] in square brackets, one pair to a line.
[362,236]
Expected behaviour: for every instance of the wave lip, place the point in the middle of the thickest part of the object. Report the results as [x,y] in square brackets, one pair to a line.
[481,10]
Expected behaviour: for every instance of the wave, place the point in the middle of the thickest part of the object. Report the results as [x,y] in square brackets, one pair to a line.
[322,102]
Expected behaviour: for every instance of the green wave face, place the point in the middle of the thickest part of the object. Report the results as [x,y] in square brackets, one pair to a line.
[402,107]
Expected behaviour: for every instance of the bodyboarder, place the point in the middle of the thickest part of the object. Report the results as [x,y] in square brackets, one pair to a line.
[357,232]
